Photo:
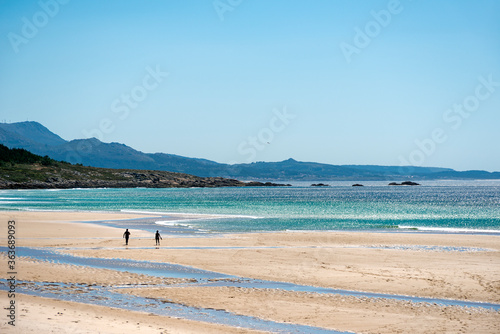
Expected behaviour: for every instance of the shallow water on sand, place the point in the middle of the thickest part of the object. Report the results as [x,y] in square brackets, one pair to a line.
[210,278]
[104,296]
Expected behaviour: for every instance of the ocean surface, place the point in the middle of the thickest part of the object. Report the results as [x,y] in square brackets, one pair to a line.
[437,206]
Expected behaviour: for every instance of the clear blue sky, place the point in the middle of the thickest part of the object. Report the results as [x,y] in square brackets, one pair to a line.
[340,82]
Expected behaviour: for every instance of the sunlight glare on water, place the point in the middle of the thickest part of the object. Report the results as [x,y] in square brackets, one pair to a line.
[465,205]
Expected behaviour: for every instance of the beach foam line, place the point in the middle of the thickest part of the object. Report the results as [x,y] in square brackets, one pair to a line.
[65,210]
[447,229]
[189,215]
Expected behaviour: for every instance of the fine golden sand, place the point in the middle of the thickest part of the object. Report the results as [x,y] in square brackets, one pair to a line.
[415,264]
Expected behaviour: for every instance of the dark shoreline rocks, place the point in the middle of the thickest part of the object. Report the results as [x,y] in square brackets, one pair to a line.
[70,184]
[66,176]
[320,185]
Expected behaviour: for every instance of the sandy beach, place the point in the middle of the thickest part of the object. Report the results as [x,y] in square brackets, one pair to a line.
[463,267]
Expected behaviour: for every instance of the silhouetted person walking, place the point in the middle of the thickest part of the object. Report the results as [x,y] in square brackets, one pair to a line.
[126,235]
[157,238]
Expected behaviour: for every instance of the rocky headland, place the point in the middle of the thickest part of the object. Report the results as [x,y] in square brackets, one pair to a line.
[20,169]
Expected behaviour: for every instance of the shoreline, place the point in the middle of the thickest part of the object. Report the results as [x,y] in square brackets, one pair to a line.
[453,266]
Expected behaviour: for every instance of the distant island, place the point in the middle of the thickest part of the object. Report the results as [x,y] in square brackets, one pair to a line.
[21,169]
[37,139]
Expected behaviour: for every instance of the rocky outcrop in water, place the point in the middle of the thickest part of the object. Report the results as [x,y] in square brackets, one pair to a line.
[405,183]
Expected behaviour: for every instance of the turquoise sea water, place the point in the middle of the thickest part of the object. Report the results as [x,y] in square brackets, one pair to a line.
[436,206]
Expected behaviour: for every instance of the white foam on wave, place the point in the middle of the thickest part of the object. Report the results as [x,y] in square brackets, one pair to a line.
[29,202]
[447,229]
[181,219]
[173,223]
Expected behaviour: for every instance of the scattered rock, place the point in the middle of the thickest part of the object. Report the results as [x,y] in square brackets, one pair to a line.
[410,183]
[405,183]
[357,185]
[319,185]
[267,184]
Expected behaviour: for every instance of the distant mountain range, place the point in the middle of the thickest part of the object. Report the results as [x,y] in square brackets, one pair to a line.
[36,138]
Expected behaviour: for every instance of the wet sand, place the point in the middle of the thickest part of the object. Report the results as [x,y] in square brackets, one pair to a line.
[454,266]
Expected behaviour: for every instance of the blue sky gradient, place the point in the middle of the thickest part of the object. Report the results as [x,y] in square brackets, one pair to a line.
[262,80]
